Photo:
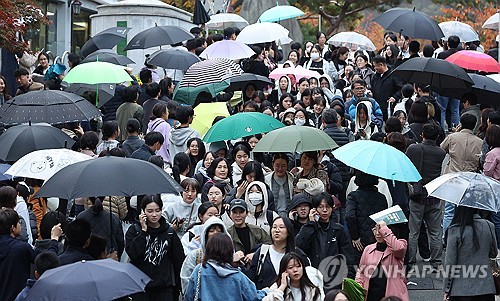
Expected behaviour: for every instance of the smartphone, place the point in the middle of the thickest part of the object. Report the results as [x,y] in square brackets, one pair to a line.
[316,217]
[295,216]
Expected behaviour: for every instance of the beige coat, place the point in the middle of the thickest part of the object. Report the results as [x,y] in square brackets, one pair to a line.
[464,149]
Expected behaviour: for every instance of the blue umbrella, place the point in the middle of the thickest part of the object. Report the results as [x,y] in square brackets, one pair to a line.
[280,13]
[3,169]
[378,159]
[89,280]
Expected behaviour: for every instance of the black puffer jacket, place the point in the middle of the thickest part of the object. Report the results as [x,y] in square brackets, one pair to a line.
[361,204]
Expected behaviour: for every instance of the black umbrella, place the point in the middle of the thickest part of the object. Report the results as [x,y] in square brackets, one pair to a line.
[108,55]
[106,91]
[158,36]
[486,89]
[240,82]
[108,176]
[410,23]
[200,14]
[20,140]
[174,58]
[439,74]
[106,39]
[49,106]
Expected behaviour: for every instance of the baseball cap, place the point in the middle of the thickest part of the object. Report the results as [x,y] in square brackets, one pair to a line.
[238,203]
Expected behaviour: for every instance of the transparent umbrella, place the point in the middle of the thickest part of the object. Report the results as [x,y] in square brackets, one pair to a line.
[467,189]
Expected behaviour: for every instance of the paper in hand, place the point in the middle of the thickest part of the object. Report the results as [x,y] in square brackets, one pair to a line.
[391,216]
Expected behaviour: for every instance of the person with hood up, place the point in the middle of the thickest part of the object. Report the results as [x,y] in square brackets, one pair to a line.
[364,128]
[191,239]
[257,200]
[210,227]
[158,123]
[181,134]
[241,156]
[155,249]
[283,86]
[329,89]
[216,279]
[317,62]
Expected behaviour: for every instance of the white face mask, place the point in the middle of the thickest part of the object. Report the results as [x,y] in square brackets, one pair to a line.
[299,121]
[314,55]
[255,198]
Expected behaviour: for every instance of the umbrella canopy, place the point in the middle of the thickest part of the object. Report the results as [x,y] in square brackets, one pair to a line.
[97,73]
[173,58]
[232,50]
[105,279]
[378,159]
[240,82]
[280,13]
[20,140]
[49,106]
[464,31]
[108,176]
[211,76]
[159,36]
[485,88]
[468,189]
[495,77]
[43,164]
[439,74]
[105,39]
[108,55]
[225,20]
[242,125]
[3,169]
[474,60]
[200,15]
[295,138]
[105,91]
[205,115]
[299,72]
[412,23]
[262,33]
[492,22]
[352,40]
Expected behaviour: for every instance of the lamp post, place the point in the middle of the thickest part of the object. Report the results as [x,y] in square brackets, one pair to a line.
[76,5]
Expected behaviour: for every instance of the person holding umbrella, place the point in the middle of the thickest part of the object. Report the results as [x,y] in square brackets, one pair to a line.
[155,249]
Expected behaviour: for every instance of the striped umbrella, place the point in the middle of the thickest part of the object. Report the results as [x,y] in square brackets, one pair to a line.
[211,76]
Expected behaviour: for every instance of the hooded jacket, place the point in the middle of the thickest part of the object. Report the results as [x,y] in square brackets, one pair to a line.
[275,95]
[178,139]
[369,128]
[194,257]
[261,220]
[222,282]
[156,252]
[162,126]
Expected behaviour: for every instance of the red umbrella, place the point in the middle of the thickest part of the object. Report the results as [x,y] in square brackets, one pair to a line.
[474,60]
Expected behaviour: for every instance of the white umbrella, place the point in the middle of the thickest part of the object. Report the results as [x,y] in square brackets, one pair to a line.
[233,50]
[352,40]
[262,33]
[464,31]
[225,20]
[43,164]
[495,77]
[492,22]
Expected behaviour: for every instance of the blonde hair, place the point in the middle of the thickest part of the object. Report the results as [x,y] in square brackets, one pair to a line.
[431,111]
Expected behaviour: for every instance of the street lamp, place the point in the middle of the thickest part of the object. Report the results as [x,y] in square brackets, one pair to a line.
[76,5]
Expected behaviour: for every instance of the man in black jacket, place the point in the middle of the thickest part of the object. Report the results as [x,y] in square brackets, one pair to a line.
[428,158]
[386,87]
[78,237]
[152,143]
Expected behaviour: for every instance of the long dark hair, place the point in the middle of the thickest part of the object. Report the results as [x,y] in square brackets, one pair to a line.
[201,150]
[464,217]
[181,164]
[290,239]
[304,281]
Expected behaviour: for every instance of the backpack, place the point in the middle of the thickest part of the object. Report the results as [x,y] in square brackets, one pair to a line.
[264,249]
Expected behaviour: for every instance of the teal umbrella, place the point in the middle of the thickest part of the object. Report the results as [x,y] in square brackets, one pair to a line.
[295,138]
[280,13]
[187,94]
[241,125]
[378,159]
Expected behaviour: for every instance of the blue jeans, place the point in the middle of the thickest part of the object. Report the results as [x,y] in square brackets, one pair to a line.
[449,212]
[444,102]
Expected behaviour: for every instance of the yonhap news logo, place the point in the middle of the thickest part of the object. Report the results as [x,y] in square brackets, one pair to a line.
[334,270]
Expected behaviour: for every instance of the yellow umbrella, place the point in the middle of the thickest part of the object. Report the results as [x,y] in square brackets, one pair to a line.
[205,114]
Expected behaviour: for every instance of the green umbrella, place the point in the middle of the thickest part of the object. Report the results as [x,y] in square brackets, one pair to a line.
[241,125]
[187,95]
[353,290]
[96,73]
[295,138]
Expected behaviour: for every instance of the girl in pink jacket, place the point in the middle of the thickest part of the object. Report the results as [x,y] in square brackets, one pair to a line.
[491,167]
[381,269]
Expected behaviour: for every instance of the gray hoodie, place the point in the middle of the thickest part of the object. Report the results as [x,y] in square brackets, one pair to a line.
[178,139]
[194,257]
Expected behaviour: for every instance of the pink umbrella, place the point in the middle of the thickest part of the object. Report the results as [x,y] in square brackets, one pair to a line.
[299,72]
[473,60]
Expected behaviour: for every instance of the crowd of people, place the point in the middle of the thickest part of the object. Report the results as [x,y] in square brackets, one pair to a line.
[257,226]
